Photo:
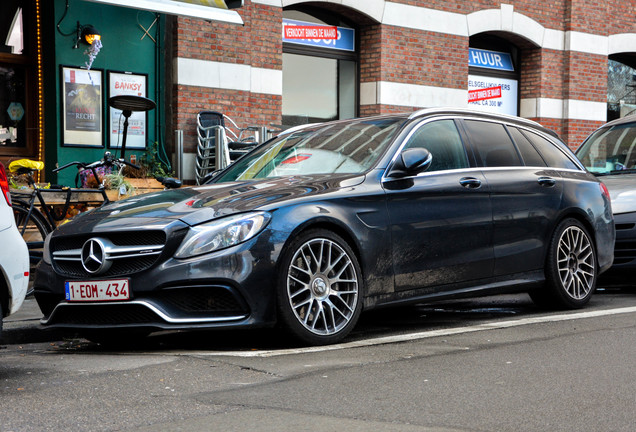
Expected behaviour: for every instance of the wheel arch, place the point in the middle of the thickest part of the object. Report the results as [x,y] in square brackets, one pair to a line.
[4,294]
[581,217]
[334,226]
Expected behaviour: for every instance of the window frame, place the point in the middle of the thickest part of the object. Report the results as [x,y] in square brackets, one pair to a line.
[28,61]
[479,163]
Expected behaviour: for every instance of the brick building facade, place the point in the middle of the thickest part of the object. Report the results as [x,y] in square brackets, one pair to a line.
[391,56]
[410,54]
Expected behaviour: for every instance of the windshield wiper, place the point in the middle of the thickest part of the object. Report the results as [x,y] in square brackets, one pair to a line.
[623,171]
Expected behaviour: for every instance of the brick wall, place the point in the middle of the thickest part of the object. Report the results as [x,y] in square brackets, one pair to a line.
[397,54]
[257,44]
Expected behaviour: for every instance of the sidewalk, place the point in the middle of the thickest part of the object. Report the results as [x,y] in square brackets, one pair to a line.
[24,327]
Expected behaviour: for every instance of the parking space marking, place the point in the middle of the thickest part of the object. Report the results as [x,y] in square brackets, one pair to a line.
[422,335]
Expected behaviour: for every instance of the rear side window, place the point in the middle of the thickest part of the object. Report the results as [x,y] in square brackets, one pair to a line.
[529,154]
[441,138]
[492,144]
[554,157]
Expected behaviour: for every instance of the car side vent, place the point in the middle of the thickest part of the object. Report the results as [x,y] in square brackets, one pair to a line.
[625,226]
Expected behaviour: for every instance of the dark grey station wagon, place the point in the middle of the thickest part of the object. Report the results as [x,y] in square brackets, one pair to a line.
[327,220]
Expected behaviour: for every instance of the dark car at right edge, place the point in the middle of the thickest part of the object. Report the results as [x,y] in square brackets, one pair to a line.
[610,154]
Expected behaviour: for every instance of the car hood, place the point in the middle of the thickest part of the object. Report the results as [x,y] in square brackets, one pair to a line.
[194,205]
[622,188]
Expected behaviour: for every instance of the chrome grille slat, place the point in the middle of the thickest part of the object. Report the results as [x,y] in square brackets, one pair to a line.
[129,252]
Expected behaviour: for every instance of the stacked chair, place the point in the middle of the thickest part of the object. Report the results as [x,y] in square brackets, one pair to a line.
[220,144]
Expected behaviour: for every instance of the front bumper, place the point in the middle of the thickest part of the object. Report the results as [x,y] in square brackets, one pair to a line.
[226,289]
[622,270]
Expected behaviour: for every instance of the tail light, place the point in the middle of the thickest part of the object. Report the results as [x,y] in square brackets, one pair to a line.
[4,184]
[604,190]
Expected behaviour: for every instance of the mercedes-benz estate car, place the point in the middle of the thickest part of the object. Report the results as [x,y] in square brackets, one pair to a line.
[610,154]
[328,220]
[14,256]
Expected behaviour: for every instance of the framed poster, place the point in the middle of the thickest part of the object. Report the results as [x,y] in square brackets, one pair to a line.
[127,83]
[81,107]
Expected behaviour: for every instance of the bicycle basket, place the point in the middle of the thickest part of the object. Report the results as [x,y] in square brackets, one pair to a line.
[87,179]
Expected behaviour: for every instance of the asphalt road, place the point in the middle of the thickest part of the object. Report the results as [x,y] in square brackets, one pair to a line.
[495,364]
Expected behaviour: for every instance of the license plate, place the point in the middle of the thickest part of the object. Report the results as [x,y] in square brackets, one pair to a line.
[101,290]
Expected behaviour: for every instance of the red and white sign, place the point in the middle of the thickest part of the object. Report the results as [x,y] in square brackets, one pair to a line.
[491,94]
[310,32]
[484,94]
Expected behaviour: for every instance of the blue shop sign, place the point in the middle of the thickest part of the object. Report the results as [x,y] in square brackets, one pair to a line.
[345,41]
[490,59]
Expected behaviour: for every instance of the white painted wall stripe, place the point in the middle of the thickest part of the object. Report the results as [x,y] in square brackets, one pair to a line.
[623,42]
[275,3]
[503,19]
[419,18]
[412,95]
[586,43]
[553,39]
[570,109]
[228,76]
[420,96]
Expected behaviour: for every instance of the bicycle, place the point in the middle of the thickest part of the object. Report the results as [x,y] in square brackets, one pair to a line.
[36,218]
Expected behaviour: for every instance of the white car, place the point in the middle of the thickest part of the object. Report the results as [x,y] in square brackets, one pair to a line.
[14,257]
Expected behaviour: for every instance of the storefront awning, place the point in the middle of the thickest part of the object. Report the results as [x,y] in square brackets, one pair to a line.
[213,10]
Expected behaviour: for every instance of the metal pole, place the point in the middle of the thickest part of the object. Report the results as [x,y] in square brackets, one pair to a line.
[221,151]
[179,153]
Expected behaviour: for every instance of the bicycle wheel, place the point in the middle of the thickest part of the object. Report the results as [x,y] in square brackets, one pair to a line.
[34,229]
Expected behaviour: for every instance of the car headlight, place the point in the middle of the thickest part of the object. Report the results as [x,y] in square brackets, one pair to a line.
[222,233]
[46,252]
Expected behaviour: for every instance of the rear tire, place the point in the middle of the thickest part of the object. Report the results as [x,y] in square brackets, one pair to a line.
[571,268]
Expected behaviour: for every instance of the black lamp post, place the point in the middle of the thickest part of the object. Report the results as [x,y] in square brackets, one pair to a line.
[127,104]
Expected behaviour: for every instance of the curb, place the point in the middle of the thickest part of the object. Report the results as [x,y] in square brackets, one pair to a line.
[28,331]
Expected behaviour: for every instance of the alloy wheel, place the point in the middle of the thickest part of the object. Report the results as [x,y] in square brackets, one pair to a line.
[575,262]
[322,286]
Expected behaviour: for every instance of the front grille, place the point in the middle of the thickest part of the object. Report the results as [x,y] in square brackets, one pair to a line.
[202,301]
[128,238]
[177,303]
[625,226]
[104,315]
[624,252]
[119,267]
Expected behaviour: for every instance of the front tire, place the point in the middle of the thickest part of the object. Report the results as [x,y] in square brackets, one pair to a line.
[571,267]
[319,288]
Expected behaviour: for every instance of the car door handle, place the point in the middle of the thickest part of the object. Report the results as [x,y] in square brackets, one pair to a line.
[470,182]
[546,181]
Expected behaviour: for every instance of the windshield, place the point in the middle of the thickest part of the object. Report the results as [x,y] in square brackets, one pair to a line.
[342,147]
[610,150]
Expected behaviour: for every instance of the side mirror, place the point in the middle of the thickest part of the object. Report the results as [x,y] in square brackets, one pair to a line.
[411,162]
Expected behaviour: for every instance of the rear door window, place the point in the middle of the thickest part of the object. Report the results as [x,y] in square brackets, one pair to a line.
[492,144]
[530,155]
[441,138]
[554,157]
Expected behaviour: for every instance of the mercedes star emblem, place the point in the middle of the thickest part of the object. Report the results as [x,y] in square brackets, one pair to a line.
[94,258]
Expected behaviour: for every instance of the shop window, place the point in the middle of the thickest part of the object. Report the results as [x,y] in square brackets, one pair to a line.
[319,75]
[493,75]
[621,88]
[12,103]
[18,72]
